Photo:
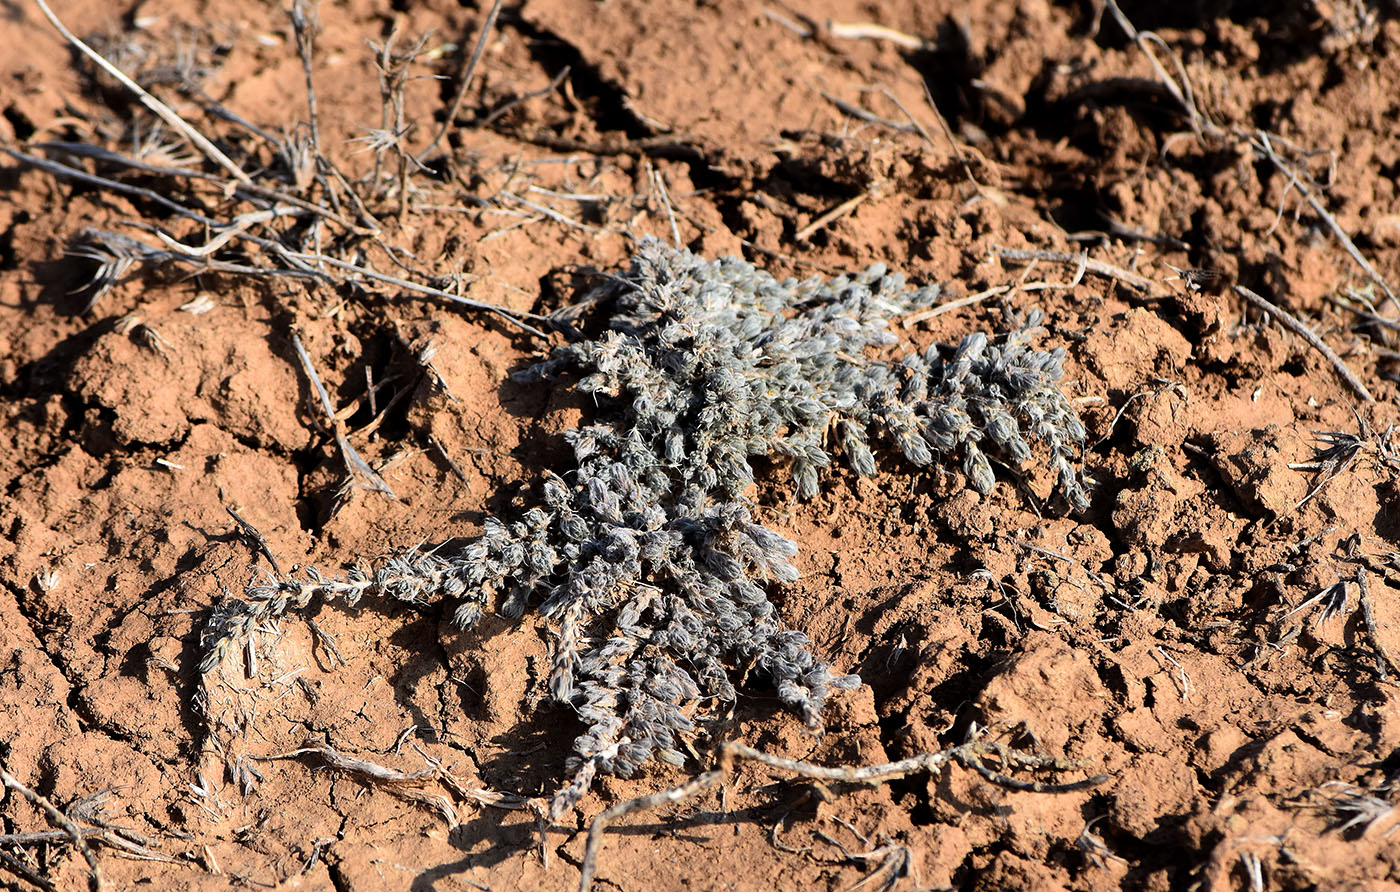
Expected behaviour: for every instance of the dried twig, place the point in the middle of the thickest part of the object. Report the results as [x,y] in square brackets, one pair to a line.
[947,134]
[405,784]
[255,539]
[835,213]
[659,183]
[305,26]
[970,755]
[533,94]
[1097,267]
[687,790]
[1290,322]
[25,872]
[978,296]
[465,81]
[63,822]
[362,767]
[64,170]
[354,463]
[249,191]
[128,848]
[873,31]
[1368,616]
[511,316]
[1262,143]
[861,114]
[1182,93]
[967,301]
[304,263]
[549,212]
[163,111]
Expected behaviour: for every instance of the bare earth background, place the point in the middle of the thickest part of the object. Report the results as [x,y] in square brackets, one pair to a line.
[1151,636]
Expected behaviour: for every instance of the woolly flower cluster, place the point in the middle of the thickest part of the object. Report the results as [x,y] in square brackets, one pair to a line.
[646,555]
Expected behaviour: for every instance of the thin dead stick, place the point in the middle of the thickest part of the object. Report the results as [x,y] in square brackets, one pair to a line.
[1291,323]
[1368,616]
[915,318]
[977,297]
[533,94]
[351,765]
[255,539]
[1367,314]
[63,822]
[947,134]
[509,315]
[25,872]
[123,847]
[236,227]
[677,146]
[680,793]
[42,837]
[1012,288]
[1262,142]
[338,176]
[1097,267]
[63,170]
[924,763]
[355,464]
[872,31]
[835,213]
[550,212]
[1163,387]
[216,108]
[861,114]
[405,785]
[466,80]
[73,173]
[914,122]
[795,27]
[161,110]
[248,192]
[392,777]
[111,157]
[660,185]
[305,27]
[968,754]
[134,250]
[1183,95]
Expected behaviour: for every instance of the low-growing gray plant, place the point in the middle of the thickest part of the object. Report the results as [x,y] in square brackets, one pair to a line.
[646,555]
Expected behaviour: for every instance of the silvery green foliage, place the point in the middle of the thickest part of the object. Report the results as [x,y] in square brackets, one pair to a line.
[646,555]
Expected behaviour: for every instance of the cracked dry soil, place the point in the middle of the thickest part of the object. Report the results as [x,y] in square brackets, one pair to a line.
[1154,636]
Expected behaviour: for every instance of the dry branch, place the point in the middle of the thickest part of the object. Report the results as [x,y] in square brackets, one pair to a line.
[465,82]
[1097,267]
[1260,141]
[354,463]
[1290,322]
[835,213]
[970,755]
[161,110]
[63,822]
[17,867]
